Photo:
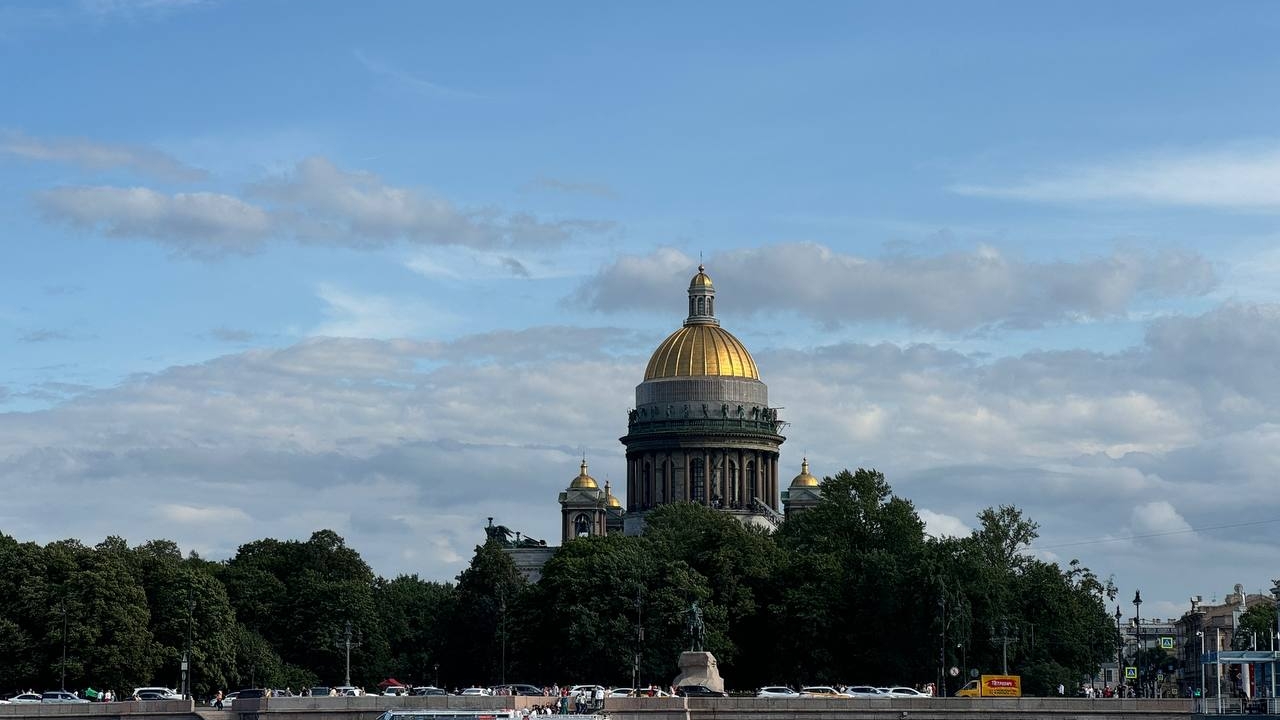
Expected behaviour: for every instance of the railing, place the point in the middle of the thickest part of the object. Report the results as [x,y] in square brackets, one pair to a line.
[773,516]
[1237,706]
[704,425]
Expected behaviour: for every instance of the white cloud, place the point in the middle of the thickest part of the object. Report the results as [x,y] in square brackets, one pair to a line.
[940,525]
[185,514]
[955,291]
[1243,177]
[1157,518]
[317,202]
[92,155]
[356,315]
[197,224]
[321,202]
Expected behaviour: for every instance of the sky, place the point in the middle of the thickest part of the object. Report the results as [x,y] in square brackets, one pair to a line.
[393,268]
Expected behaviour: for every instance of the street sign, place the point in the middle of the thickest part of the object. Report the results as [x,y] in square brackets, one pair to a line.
[1131,673]
[954,671]
[973,672]
[1166,643]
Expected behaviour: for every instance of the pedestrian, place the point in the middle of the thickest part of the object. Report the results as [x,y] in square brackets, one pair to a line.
[217,701]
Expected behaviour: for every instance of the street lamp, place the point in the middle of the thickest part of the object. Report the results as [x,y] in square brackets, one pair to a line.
[436,667]
[186,654]
[1200,634]
[64,643]
[1137,624]
[1119,653]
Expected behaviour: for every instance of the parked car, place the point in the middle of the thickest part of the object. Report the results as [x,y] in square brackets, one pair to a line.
[60,696]
[427,690]
[395,691]
[524,689]
[476,691]
[22,698]
[820,691]
[159,693]
[699,691]
[252,694]
[322,691]
[349,691]
[642,692]
[228,700]
[587,691]
[776,691]
[864,691]
[900,691]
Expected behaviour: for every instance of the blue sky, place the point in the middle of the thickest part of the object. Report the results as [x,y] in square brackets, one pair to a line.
[291,255]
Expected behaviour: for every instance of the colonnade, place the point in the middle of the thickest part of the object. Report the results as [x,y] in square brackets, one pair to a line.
[716,477]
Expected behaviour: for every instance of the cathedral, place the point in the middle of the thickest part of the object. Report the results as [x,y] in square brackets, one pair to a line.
[701,431]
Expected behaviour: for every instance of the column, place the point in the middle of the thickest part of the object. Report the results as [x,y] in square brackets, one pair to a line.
[773,493]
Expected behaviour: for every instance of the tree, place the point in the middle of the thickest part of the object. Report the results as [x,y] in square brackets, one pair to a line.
[1256,626]
[479,629]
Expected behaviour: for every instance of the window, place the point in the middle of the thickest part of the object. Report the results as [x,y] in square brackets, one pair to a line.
[751,481]
[697,480]
[582,525]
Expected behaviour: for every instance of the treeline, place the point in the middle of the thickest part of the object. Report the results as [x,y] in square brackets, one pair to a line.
[852,591]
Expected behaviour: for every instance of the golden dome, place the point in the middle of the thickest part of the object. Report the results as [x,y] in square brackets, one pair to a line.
[609,499]
[701,280]
[804,479]
[701,350]
[583,481]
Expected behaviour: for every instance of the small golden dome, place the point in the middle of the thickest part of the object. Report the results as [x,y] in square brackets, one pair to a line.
[583,481]
[609,499]
[701,280]
[701,350]
[804,479]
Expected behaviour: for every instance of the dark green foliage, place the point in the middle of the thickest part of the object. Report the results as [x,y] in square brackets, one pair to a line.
[850,591]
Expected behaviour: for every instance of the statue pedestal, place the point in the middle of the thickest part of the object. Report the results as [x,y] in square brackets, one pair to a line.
[699,668]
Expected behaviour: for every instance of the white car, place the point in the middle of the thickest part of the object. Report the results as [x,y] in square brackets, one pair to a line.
[395,691]
[864,691]
[61,696]
[159,693]
[905,692]
[820,691]
[587,691]
[776,691]
[349,691]
[476,691]
[24,698]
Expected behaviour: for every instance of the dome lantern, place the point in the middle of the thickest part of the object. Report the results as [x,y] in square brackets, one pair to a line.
[702,300]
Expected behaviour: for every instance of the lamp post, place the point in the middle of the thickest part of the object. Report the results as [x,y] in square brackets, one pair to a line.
[1119,652]
[964,660]
[64,643]
[436,667]
[186,654]
[1137,626]
[1200,634]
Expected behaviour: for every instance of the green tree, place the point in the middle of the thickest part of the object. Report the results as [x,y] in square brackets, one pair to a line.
[1256,626]
[480,630]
